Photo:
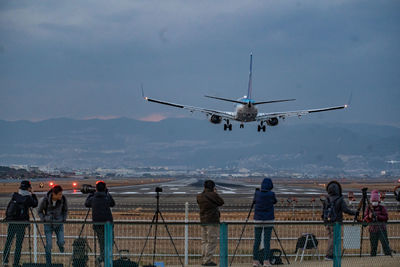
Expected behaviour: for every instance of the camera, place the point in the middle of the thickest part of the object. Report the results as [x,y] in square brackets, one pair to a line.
[87,189]
[158,189]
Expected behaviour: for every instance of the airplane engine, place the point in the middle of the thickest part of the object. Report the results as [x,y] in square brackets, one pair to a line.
[273,121]
[215,119]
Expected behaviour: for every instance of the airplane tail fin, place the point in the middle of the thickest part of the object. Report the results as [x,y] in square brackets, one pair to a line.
[250,86]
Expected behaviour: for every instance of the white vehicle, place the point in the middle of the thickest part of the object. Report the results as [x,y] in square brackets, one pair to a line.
[246,110]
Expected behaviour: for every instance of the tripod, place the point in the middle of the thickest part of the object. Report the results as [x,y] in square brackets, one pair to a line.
[155,222]
[366,204]
[244,227]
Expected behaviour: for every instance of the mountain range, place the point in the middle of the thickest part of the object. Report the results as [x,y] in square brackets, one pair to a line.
[193,143]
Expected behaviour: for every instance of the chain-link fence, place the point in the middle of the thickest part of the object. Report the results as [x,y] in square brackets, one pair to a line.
[304,243]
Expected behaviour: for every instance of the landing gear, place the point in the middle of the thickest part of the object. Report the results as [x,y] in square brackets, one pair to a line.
[227,126]
[261,127]
[241,125]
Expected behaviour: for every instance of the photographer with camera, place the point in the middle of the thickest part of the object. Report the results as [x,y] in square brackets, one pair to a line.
[208,202]
[18,211]
[333,208]
[53,208]
[377,214]
[100,202]
[264,212]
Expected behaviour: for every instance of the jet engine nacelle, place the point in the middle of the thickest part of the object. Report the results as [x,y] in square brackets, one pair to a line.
[215,119]
[273,121]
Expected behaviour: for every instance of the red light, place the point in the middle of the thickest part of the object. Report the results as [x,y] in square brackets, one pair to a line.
[398,181]
[51,184]
[74,184]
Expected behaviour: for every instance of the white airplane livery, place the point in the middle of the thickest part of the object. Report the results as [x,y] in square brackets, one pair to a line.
[246,109]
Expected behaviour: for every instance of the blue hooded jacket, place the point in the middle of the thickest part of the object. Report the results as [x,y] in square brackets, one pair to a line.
[264,202]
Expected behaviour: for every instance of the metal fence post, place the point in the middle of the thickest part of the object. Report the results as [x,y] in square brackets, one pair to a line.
[337,245]
[223,245]
[35,252]
[108,245]
[186,234]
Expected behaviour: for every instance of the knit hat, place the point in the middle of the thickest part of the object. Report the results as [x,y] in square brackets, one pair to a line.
[209,184]
[375,196]
[25,185]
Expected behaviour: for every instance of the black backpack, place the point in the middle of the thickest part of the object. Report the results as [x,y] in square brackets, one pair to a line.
[15,211]
[80,251]
[329,213]
[274,256]
[301,242]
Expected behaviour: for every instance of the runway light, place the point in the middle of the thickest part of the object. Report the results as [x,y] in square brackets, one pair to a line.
[51,184]
[74,184]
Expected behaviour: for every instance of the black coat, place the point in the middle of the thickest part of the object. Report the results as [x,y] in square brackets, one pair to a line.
[27,202]
[100,202]
[334,190]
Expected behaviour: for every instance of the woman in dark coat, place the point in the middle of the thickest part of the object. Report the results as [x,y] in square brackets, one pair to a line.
[263,213]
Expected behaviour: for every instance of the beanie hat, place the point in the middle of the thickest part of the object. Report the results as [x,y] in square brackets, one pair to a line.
[375,197]
[25,185]
[100,186]
[209,184]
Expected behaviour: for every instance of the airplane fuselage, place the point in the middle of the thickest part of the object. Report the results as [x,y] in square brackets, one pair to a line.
[246,113]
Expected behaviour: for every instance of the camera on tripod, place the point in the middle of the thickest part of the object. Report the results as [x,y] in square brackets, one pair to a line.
[158,189]
[88,189]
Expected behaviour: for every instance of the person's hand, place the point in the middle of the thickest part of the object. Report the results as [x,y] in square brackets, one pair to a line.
[370,215]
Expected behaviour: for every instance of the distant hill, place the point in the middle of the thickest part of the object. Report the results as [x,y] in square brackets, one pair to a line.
[197,143]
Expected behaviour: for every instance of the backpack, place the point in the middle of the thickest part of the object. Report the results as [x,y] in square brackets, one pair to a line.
[301,242]
[80,251]
[274,256]
[15,211]
[329,213]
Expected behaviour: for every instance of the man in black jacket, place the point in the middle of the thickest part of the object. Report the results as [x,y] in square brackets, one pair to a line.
[100,202]
[18,211]
[333,208]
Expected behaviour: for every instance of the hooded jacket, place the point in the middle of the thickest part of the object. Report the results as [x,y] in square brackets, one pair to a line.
[381,218]
[264,202]
[53,213]
[25,200]
[334,190]
[208,202]
[100,202]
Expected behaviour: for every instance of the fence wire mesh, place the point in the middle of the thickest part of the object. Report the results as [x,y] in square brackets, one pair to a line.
[130,240]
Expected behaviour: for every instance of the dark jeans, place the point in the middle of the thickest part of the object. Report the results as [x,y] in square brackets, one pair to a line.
[19,231]
[99,230]
[375,237]
[257,241]
[58,229]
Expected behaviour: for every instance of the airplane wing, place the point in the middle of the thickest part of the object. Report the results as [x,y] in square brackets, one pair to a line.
[223,114]
[298,113]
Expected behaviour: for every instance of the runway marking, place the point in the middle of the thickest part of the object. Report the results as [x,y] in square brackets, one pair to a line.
[178,192]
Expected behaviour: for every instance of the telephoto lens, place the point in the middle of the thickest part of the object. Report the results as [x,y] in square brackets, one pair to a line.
[87,189]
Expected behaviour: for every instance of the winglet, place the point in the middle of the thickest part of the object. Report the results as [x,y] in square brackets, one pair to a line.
[350,99]
[141,86]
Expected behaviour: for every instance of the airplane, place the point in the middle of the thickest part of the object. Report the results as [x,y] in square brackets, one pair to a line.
[246,109]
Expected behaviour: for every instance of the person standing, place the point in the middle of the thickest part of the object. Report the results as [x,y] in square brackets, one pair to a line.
[101,202]
[264,201]
[378,216]
[53,208]
[333,208]
[208,202]
[18,211]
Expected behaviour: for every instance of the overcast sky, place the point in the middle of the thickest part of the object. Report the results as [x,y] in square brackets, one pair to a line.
[86,59]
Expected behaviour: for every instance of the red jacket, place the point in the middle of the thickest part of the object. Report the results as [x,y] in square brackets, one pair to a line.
[381,218]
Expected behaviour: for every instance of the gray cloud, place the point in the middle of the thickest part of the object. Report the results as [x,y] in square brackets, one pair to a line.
[87,58]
